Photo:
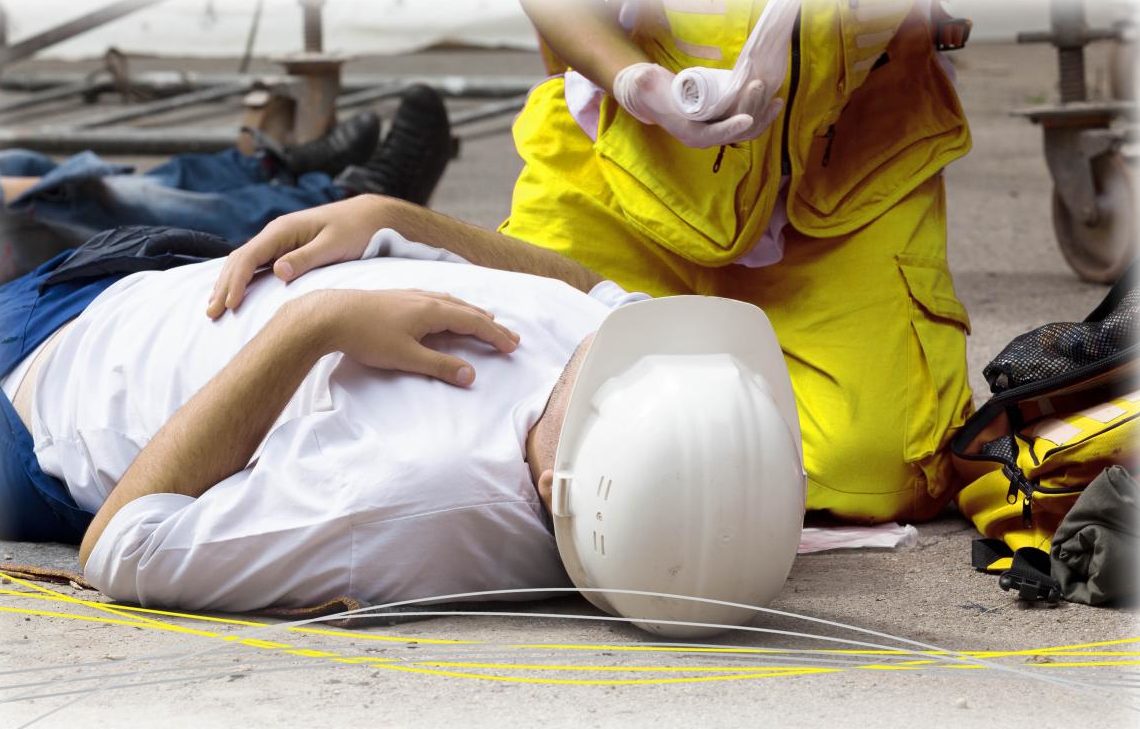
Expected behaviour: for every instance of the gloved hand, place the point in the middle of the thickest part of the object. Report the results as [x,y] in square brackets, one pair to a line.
[645,90]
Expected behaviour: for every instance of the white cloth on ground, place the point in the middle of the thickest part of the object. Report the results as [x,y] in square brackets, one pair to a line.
[384,486]
[883,536]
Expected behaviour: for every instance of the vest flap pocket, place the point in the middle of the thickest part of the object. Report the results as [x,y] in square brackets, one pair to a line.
[901,123]
[670,192]
[930,285]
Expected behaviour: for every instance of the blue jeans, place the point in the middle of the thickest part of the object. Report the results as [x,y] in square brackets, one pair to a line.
[34,506]
[227,193]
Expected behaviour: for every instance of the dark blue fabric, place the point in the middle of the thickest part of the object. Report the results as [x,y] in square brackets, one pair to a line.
[226,193]
[135,248]
[33,505]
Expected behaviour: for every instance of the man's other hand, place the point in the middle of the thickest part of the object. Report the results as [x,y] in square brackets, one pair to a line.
[297,243]
[385,329]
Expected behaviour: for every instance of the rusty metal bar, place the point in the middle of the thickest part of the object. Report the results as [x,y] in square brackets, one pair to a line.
[487,111]
[481,86]
[367,96]
[139,111]
[174,140]
[65,31]
[170,140]
[53,94]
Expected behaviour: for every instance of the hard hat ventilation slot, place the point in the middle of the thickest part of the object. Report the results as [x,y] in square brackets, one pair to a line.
[604,494]
[600,543]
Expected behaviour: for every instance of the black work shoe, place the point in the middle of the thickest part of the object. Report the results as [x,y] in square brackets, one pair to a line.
[348,143]
[411,159]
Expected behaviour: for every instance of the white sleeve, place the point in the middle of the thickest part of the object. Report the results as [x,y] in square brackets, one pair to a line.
[387,243]
[333,508]
[241,545]
[129,542]
[613,296]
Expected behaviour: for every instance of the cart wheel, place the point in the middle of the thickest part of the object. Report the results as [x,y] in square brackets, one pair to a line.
[1102,252]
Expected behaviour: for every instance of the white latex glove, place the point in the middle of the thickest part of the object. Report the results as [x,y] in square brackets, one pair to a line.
[645,90]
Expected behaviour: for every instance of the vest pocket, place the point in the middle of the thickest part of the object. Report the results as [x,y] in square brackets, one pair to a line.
[669,192]
[884,125]
[937,386]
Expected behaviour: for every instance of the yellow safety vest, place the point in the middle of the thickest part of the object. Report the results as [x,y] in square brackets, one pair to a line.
[869,116]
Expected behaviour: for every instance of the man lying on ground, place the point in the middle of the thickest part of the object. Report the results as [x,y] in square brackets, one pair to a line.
[274,457]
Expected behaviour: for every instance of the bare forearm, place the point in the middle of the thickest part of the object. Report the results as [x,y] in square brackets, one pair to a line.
[215,434]
[480,246]
[586,34]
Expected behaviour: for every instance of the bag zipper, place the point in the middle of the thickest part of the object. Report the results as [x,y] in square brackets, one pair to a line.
[1020,483]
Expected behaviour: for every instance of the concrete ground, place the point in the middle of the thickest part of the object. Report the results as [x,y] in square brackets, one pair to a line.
[64,662]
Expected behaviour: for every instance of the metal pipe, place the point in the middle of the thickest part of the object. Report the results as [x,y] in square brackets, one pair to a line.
[483,86]
[127,141]
[53,94]
[163,105]
[251,37]
[65,31]
[367,96]
[487,111]
[173,140]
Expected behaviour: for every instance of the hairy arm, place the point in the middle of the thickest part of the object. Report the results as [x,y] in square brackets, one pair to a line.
[483,247]
[340,231]
[216,432]
[585,34]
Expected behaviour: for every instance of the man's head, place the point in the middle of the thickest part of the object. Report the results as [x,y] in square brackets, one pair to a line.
[678,468]
[542,441]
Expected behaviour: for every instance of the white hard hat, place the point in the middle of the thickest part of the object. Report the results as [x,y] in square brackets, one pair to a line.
[679,468]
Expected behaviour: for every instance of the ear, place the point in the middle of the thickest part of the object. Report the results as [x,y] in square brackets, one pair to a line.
[546,488]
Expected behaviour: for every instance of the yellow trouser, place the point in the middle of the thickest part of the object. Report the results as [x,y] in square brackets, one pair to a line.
[870,326]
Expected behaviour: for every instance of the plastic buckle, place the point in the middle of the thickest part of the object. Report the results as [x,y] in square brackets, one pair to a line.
[1029,588]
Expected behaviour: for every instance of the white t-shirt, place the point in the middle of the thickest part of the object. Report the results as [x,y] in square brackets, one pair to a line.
[383,486]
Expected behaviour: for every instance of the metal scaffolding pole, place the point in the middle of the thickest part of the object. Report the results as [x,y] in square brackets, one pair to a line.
[139,111]
[56,93]
[176,140]
[68,30]
[127,141]
[367,96]
[487,86]
[488,111]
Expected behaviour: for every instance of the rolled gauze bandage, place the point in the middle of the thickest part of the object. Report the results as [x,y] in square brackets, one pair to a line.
[706,94]
[709,94]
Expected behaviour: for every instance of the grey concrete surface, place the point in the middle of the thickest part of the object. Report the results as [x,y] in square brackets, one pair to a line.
[92,667]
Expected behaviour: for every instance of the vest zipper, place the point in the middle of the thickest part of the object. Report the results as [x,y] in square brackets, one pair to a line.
[719,159]
[785,154]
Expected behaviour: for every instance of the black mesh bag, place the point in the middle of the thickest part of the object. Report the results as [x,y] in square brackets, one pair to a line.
[1067,351]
